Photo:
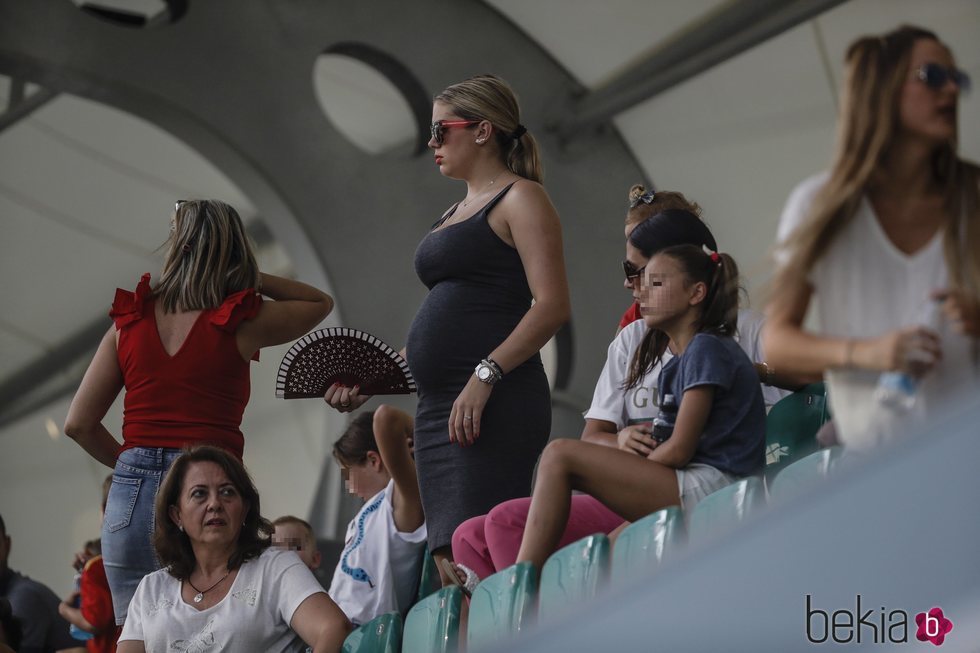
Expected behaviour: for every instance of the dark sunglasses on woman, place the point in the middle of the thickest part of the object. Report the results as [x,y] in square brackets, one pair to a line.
[632,272]
[935,76]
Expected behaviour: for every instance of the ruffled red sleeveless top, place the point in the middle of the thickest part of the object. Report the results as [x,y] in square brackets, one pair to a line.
[199,394]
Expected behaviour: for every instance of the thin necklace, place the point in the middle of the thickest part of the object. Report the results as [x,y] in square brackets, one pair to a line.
[200,594]
[466,203]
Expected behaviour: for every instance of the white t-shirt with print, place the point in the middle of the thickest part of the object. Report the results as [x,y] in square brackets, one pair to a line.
[253,616]
[380,566]
[641,403]
[863,287]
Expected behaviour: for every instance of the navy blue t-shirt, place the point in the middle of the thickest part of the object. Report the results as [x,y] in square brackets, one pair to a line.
[734,437]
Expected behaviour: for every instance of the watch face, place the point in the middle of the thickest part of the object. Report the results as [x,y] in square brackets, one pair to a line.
[483,373]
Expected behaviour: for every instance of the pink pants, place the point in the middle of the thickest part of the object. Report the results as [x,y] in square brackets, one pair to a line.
[489,543]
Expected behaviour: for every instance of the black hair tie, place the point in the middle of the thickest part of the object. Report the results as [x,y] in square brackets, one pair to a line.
[520,131]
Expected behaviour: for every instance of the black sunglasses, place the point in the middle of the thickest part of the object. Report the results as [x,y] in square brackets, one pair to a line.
[439,127]
[632,272]
[935,76]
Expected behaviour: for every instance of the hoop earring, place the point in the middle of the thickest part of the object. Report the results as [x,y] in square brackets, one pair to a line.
[480,141]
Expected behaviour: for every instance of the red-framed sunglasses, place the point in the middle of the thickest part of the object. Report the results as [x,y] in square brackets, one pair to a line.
[438,128]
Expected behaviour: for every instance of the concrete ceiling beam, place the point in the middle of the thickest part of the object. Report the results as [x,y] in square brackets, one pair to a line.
[732,29]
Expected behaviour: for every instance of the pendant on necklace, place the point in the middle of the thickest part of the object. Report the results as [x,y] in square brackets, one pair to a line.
[199,597]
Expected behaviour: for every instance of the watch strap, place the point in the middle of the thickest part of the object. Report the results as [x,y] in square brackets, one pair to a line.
[494,364]
[492,372]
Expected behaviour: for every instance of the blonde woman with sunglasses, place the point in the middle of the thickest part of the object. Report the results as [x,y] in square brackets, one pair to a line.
[181,347]
[484,411]
[886,244]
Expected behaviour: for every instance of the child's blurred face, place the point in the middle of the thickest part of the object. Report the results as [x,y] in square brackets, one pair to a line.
[293,537]
[664,294]
[365,479]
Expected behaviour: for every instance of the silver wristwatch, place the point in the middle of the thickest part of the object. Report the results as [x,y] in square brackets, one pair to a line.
[488,372]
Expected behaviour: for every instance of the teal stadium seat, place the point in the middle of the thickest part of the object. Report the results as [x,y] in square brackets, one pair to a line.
[501,605]
[432,625]
[799,477]
[792,425]
[380,635]
[644,544]
[573,574]
[429,581]
[724,509]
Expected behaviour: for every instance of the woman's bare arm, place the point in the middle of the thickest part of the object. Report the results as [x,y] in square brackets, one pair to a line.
[320,623]
[533,224]
[692,415]
[298,308]
[99,388]
[599,431]
[796,351]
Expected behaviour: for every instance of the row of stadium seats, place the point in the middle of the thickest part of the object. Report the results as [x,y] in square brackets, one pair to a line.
[503,604]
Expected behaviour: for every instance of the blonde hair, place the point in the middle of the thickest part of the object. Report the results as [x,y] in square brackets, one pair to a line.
[662,200]
[487,97]
[209,257]
[876,70]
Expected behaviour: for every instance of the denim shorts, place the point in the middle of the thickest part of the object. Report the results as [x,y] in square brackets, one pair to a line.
[127,532]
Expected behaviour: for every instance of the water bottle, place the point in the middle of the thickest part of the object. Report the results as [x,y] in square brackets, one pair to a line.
[73,630]
[898,390]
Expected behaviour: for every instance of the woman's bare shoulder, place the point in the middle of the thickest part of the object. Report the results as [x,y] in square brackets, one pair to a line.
[525,194]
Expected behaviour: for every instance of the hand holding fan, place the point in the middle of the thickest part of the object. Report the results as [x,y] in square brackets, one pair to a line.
[346,356]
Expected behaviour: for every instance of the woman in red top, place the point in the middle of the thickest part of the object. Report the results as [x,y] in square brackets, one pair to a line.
[181,348]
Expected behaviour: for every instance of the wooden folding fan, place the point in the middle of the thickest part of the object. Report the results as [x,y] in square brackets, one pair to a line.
[341,355]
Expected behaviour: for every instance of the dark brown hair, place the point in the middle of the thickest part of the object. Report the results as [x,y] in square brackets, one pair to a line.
[353,446]
[719,309]
[173,547]
[661,219]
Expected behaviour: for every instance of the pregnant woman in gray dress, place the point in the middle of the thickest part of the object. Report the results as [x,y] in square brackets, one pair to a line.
[484,411]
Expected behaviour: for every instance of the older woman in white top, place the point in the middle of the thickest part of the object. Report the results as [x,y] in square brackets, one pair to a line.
[222,587]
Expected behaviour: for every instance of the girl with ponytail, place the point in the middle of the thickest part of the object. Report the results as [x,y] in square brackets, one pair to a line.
[626,397]
[710,430]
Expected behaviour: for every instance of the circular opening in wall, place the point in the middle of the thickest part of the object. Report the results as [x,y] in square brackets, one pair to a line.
[372,99]
[135,13]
